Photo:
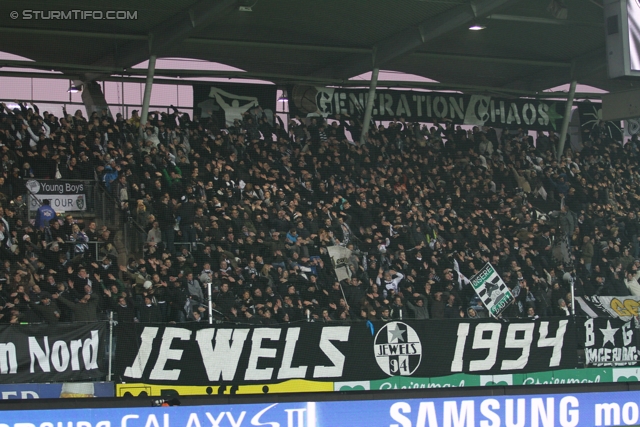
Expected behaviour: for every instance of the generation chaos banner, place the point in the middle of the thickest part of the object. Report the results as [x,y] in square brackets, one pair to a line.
[418,106]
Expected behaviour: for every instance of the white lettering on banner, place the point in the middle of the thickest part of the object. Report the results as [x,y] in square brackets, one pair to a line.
[257,352]
[221,359]
[536,381]
[228,348]
[8,358]
[555,342]
[338,333]
[458,356]
[511,341]
[627,334]
[622,356]
[61,353]
[60,356]
[616,356]
[590,336]
[37,353]
[167,353]
[144,352]
[286,371]
[492,343]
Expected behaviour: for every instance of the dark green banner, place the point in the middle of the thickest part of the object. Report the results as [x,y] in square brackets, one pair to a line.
[416,106]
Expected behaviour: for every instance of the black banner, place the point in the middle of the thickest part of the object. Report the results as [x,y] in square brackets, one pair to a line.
[610,342]
[227,102]
[590,115]
[194,354]
[416,106]
[47,353]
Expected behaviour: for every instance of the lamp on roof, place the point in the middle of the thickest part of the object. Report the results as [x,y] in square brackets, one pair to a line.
[477,27]
[74,89]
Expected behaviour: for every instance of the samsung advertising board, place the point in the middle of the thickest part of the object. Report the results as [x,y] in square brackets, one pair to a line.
[551,410]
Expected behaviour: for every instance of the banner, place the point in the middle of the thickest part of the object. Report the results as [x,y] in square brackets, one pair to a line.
[236,356]
[590,115]
[565,410]
[340,258]
[624,308]
[228,102]
[492,290]
[563,376]
[64,195]
[56,390]
[478,110]
[610,342]
[289,386]
[47,353]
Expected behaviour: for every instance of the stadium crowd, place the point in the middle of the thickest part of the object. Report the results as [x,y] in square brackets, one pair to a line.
[251,209]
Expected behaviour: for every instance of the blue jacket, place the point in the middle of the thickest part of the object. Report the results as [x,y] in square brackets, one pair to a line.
[44,215]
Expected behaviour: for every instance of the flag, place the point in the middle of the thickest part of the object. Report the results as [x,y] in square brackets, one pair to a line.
[458,276]
[622,307]
[493,292]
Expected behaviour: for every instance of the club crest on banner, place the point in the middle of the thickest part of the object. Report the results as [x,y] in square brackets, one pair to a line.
[398,349]
[492,290]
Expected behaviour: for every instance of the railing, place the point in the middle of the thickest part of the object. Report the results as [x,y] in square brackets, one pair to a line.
[94,250]
[101,206]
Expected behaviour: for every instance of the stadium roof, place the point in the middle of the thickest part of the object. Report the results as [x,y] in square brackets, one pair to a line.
[524,49]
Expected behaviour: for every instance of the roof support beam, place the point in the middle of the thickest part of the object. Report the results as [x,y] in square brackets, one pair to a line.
[474,58]
[549,21]
[414,37]
[584,66]
[281,46]
[168,33]
[67,33]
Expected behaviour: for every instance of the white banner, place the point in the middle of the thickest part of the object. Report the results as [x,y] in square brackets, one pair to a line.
[63,195]
[492,290]
[340,257]
[69,202]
